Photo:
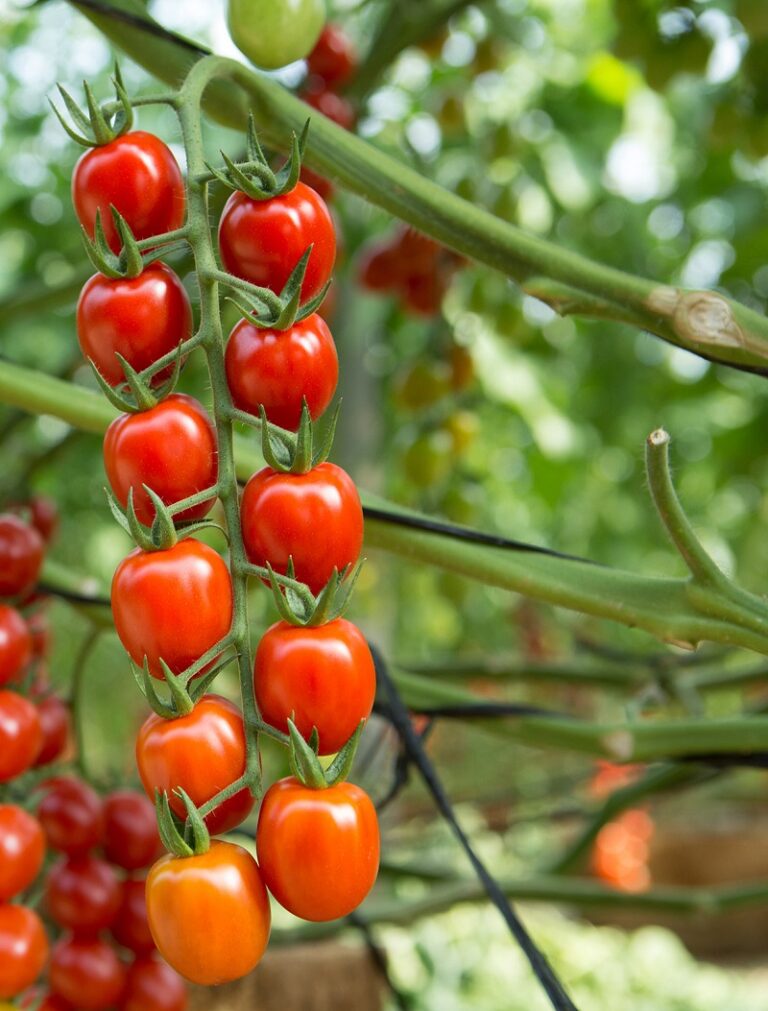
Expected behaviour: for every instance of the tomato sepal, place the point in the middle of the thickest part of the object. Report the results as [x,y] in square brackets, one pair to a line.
[297,453]
[104,124]
[127,263]
[195,838]
[180,703]
[254,176]
[306,766]
[309,610]
[254,308]
[144,397]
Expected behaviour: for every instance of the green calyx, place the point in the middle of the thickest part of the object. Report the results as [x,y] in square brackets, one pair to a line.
[296,452]
[305,763]
[299,606]
[254,176]
[140,395]
[127,263]
[102,124]
[262,308]
[162,534]
[190,840]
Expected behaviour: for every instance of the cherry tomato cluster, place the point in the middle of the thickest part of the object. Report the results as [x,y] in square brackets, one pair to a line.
[621,850]
[331,65]
[412,267]
[174,599]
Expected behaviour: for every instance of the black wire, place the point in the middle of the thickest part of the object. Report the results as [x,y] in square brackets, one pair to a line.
[467,534]
[144,24]
[380,960]
[478,710]
[414,748]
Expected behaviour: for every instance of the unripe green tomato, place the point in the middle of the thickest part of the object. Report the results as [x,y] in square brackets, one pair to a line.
[428,459]
[274,33]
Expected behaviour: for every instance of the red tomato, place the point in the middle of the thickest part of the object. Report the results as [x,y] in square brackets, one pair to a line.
[318,849]
[209,914]
[334,57]
[336,108]
[23,949]
[82,893]
[263,240]
[153,986]
[15,644]
[171,448]
[175,604]
[40,633]
[55,724]
[131,839]
[142,318]
[21,556]
[202,752]
[137,174]
[20,735]
[320,677]
[279,368]
[131,926]
[315,518]
[44,1000]
[378,269]
[45,516]
[423,293]
[71,814]
[86,972]
[22,848]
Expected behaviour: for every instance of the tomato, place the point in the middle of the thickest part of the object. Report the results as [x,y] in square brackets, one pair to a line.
[82,893]
[20,735]
[378,269]
[39,633]
[86,972]
[23,949]
[41,1000]
[336,108]
[279,368]
[274,33]
[131,839]
[71,814]
[320,677]
[153,986]
[171,448]
[21,556]
[22,848]
[423,293]
[263,240]
[202,752]
[334,57]
[175,604]
[142,318]
[318,849]
[131,926]
[55,725]
[209,914]
[424,384]
[45,516]
[137,174]
[15,644]
[315,518]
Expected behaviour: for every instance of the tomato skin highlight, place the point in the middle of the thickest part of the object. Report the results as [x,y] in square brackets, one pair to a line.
[315,518]
[173,604]
[71,814]
[203,752]
[55,724]
[131,926]
[23,949]
[136,173]
[87,972]
[318,849]
[279,368]
[22,849]
[142,318]
[153,986]
[209,914]
[320,677]
[171,448]
[274,33]
[82,894]
[334,58]
[21,736]
[21,556]
[15,644]
[131,838]
[263,240]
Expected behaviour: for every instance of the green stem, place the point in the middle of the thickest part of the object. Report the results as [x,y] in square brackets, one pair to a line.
[77,695]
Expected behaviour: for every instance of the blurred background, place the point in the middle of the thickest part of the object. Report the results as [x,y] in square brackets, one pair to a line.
[634,131]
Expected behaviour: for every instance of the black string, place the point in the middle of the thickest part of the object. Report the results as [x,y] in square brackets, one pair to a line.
[144,24]
[467,534]
[474,710]
[414,748]
[380,961]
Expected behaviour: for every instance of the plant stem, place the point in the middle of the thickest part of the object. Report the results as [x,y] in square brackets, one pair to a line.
[77,695]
